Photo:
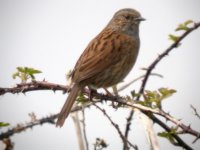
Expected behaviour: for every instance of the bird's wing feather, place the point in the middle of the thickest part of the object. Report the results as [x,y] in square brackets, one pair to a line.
[99,55]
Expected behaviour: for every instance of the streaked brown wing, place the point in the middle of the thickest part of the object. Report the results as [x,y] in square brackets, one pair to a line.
[99,55]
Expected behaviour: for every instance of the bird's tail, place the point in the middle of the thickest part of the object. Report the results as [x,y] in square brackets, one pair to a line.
[68,105]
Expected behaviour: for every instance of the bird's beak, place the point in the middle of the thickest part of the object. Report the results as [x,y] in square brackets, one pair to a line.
[140,19]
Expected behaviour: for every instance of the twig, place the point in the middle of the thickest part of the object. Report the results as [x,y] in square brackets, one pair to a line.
[150,133]
[50,119]
[44,85]
[146,110]
[195,111]
[84,130]
[76,121]
[136,79]
[128,124]
[116,127]
[8,144]
[165,53]
[197,138]
[100,144]
[180,142]
[22,127]
[34,86]
[152,66]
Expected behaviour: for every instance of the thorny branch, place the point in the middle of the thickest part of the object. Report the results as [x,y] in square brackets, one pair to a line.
[134,80]
[195,111]
[165,53]
[22,127]
[33,86]
[149,70]
[34,122]
[116,127]
[180,142]
[84,130]
[8,144]
[77,126]
[99,96]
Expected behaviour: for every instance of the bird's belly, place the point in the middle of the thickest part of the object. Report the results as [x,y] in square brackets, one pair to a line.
[112,75]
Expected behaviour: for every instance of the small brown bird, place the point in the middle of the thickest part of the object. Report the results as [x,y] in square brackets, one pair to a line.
[108,58]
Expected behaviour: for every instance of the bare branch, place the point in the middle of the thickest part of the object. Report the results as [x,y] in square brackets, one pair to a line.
[180,142]
[84,130]
[8,144]
[128,124]
[22,127]
[116,127]
[34,122]
[197,138]
[77,126]
[195,111]
[33,86]
[165,53]
[134,80]
[146,110]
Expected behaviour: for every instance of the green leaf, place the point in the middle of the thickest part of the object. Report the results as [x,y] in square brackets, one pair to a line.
[32,71]
[184,26]
[15,75]
[134,94]
[169,135]
[165,92]
[188,22]
[20,69]
[3,124]
[144,103]
[32,76]
[154,99]
[174,38]
[82,99]
[25,73]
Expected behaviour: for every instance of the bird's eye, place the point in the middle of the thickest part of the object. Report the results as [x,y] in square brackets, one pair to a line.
[127,17]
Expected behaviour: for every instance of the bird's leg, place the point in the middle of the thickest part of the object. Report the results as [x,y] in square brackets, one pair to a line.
[114,105]
[91,92]
[108,92]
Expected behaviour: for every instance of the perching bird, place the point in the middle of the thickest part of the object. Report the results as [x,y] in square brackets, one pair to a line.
[108,58]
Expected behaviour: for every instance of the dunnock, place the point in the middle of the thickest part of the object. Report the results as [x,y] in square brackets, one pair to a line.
[108,58]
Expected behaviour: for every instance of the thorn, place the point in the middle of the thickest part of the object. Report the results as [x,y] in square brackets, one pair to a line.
[19,85]
[143,68]
[198,137]
[189,126]
[54,90]
[23,92]
[64,91]
[179,119]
